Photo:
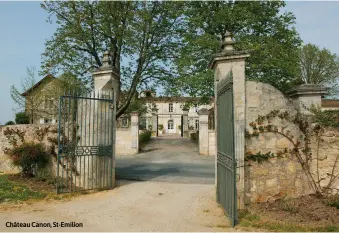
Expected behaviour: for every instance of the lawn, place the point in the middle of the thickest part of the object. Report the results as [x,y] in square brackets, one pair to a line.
[16,191]
[308,213]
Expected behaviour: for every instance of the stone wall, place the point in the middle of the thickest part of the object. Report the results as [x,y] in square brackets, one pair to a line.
[281,177]
[124,144]
[30,134]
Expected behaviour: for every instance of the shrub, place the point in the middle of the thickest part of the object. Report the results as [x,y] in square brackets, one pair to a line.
[195,136]
[160,127]
[145,136]
[30,157]
[21,118]
[327,118]
[334,201]
[10,123]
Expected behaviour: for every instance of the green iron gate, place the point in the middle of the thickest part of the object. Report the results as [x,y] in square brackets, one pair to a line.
[226,161]
[86,135]
[182,126]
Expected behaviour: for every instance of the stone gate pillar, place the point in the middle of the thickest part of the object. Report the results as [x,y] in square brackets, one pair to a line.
[154,122]
[135,131]
[185,122]
[97,118]
[224,62]
[203,131]
[307,96]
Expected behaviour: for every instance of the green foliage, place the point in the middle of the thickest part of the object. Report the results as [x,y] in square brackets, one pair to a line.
[289,205]
[30,157]
[14,192]
[326,118]
[319,66]
[160,126]
[334,201]
[137,106]
[259,157]
[21,118]
[145,136]
[142,38]
[195,136]
[10,123]
[258,26]
[31,102]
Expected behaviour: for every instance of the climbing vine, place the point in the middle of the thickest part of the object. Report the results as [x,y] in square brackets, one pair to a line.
[300,144]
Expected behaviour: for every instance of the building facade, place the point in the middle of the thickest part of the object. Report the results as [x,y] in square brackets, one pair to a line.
[169,112]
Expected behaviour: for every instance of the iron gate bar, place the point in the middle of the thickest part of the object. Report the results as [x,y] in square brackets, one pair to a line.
[226,161]
[76,142]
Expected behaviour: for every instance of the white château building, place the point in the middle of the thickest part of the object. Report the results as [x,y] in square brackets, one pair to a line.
[170,112]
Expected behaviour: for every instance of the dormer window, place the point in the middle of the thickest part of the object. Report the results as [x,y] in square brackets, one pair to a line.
[170,107]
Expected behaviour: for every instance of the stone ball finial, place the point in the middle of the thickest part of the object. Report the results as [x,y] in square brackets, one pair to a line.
[105,60]
[227,44]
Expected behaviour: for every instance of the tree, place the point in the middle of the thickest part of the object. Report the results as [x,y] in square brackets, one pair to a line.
[257,26]
[21,118]
[319,66]
[10,123]
[142,38]
[31,102]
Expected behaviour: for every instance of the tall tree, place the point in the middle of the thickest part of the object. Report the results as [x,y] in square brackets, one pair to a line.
[142,37]
[32,102]
[319,66]
[257,26]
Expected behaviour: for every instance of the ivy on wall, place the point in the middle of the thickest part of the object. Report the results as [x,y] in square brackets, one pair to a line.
[300,143]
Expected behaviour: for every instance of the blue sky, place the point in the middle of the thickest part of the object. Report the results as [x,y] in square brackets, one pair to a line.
[23,31]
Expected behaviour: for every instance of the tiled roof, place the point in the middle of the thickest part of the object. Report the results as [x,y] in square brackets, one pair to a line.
[329,103]
[49,76]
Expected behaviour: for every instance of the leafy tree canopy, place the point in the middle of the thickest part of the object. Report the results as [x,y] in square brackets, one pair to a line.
[21,118]
[257,26]
[319,66]
[169,44]
[142,38]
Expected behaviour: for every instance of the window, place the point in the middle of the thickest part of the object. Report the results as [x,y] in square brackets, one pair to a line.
[124,122]
[170,107]
[170,124]
[48,121]
[197,124]
[143,123]
[50,104]
[196,108]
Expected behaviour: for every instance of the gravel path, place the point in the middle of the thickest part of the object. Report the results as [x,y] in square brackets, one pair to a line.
[183,200]
[168,159]
[134,206]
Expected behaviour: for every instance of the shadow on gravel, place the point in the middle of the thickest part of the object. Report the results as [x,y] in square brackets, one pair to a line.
[141,151]
[166,173]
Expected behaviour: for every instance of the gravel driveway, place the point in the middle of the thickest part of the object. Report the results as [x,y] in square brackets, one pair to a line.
[169,159]
[176,193]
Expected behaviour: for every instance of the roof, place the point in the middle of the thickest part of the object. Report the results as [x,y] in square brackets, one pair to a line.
[47,77]
[328,103]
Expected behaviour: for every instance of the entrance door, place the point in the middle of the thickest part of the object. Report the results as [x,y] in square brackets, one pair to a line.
[170,126]
[226,161]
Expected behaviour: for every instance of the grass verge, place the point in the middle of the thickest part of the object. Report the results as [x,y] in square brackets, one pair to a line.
[11,191]
[252,220]
[15,189]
